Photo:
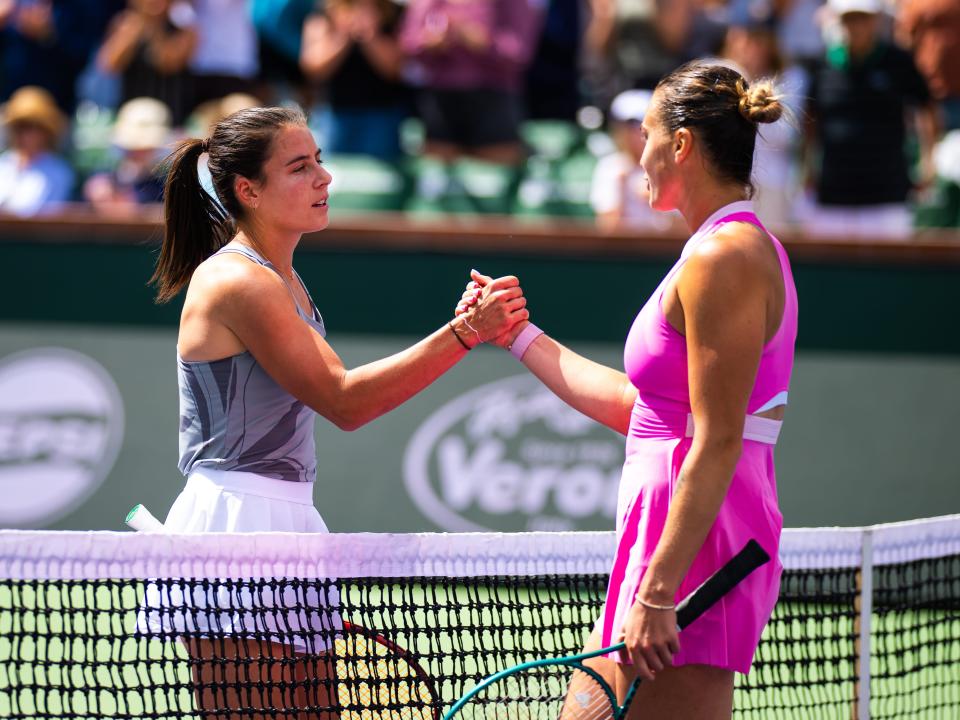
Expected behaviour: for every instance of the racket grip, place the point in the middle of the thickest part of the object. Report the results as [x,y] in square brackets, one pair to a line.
[720,583]
[141,519]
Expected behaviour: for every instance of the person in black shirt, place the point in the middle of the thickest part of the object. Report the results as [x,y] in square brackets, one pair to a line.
[148,45]
[859,97]
[352,48]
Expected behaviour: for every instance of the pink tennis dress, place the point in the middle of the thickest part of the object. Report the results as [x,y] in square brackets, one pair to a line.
[659,437]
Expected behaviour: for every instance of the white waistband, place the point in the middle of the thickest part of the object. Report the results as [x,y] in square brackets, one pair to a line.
[253,484]
[759,429]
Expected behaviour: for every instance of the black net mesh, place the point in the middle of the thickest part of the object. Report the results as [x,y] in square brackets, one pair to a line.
[408,647]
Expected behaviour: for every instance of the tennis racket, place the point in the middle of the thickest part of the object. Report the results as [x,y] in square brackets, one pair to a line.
[377,678]
[142,520]
[566,688]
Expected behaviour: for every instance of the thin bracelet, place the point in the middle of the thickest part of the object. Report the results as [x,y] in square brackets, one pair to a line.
[459,339]
[654,606]
[479,339]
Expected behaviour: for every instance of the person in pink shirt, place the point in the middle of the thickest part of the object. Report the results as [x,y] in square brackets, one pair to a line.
[707,368]
[469,58]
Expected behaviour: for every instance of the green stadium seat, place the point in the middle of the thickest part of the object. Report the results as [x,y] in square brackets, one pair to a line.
[362,183]
[538,194]
[551,139]
[430,187]
[467,186]
[92,149]
[574,178]
[487,187]
[941,209]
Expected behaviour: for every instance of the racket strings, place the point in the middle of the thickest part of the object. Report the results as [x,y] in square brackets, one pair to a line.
[376,681]
[548,692]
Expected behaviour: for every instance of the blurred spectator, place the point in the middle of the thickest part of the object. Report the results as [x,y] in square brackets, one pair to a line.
[931,28]
[141,134]
[470,57]
[33,179]
[618,192]
[48,42]
[637,42]
[752,45]
[553,84]
[707,29]
[226,59]
[279,26]
[352,48]
[798,30]
[149,45]
[858,101]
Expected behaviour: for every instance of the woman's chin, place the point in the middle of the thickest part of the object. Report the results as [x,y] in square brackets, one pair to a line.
[316,224]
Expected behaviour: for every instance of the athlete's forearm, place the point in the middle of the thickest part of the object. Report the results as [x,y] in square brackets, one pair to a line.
[601,393]
[374,389]
[702,485]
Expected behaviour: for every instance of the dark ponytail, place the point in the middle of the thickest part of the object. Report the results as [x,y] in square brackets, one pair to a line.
[195,225]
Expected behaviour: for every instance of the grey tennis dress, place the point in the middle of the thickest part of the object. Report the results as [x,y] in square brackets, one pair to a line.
[247,450]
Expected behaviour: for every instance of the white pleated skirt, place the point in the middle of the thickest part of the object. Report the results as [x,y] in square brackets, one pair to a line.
[304,615]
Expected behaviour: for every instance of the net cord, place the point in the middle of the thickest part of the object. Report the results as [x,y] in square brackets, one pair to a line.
[64,555]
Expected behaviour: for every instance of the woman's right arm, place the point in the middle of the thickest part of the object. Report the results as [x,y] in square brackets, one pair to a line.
[599,392]
[255,306]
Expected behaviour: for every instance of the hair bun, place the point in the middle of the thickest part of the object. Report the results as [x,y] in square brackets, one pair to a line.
[759,101]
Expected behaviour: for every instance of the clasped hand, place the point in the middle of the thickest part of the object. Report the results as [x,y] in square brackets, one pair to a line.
[495,309]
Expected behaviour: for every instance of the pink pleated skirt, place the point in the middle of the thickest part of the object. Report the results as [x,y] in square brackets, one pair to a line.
[727,635]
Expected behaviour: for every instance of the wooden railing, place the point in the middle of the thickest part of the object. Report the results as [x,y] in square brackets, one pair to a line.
[400,232]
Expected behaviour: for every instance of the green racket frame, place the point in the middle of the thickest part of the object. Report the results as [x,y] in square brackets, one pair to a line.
[689,609]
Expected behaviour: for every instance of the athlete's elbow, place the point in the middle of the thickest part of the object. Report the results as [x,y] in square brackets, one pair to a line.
[348,420]
[348,424]
[724,448]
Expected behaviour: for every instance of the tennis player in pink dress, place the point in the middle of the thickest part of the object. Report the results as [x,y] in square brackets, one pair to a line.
[708,363]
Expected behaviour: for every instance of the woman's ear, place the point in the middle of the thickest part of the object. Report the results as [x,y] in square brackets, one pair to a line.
[682,144]
[247,192]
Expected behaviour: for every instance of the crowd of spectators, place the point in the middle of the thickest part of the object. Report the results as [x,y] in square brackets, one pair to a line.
[530,107]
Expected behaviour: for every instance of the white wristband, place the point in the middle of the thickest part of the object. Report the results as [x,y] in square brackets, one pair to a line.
[526,337]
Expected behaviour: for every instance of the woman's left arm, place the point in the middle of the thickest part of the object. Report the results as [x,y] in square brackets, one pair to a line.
[723,292]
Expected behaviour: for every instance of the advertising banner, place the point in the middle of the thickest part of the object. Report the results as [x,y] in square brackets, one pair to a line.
[88,428]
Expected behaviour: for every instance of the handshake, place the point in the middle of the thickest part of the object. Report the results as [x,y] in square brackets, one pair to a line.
[490,310]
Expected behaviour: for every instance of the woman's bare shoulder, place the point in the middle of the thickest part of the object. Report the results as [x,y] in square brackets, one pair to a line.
[231,277]
[733,260]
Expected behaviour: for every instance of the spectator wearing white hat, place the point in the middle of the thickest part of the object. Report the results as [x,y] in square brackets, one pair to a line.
[618,191]
[33,178]
[141,133]
[861,95]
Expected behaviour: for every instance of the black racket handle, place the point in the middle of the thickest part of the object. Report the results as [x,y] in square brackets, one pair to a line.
[720,583]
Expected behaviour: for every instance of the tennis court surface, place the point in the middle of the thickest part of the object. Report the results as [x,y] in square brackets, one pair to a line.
[92,624]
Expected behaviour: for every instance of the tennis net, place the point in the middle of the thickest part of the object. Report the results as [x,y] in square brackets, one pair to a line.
[130,625]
